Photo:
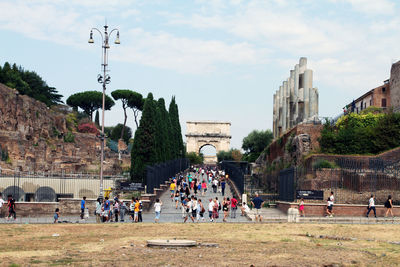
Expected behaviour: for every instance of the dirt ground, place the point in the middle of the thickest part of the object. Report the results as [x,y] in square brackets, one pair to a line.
[239,245]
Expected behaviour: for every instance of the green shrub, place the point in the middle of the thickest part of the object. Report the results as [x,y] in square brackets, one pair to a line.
[368,133]
[324,164]
[69,138]
[72,120]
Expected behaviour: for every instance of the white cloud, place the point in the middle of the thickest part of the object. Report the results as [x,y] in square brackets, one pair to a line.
[371,7]
[183,55]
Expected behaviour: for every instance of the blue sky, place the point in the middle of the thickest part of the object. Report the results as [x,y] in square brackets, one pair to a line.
[222,59]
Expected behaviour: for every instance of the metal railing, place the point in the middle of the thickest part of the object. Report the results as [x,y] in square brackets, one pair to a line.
[351,184]
[160,173]
[236,172]
[49,187]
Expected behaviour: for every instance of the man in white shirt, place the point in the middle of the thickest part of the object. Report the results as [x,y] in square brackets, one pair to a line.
[371,205]
[215,185]
[1,203]
[189,209]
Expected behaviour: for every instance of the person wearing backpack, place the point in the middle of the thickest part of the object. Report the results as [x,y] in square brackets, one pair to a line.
[389,206]
[371,205]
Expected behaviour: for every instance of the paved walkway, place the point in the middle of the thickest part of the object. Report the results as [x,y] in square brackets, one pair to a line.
[170,214]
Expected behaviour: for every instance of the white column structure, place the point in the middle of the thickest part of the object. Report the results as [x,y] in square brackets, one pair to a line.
[296,101]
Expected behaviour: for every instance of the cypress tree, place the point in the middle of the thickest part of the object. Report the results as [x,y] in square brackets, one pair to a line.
[159,135]
[178,149]
[165,130]
[97,118]
[144,151]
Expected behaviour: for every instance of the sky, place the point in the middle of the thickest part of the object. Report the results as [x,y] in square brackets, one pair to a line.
[222,59]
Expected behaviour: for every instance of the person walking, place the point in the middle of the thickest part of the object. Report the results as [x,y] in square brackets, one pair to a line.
[203,187]
[371,205]
[140,219]
[301,208]
[211,209]
[157,210]
[107,209]
[215,185]
[11,208]
[132,209]
[56,215]
[136,210]
[225,208]
[98,210]
[116,210]
[216,207]
[1,204]
[188,209]
[122,210]
[257,203]
[223,183]
[172,188]
[332,202]
[329,207]
[202,210]
[83,206]
[176,198]
[389,206]
[234,204]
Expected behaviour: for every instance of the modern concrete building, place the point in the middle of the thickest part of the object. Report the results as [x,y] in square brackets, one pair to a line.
[296,101]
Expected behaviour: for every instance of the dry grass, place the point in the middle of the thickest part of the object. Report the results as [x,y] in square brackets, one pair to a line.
[239,245]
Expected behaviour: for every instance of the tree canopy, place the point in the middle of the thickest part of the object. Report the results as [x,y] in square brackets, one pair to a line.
[124,95]
[29,83]
[115,133]
[136,103]
[233,154]
[255,143]
[89,101]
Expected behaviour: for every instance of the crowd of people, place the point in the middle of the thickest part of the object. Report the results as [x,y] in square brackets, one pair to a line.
[187,190]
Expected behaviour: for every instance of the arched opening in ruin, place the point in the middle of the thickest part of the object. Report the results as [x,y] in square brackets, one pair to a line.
[209,153]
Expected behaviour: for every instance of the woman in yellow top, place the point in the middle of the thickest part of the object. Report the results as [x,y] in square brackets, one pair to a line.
[136,210]
[172,187]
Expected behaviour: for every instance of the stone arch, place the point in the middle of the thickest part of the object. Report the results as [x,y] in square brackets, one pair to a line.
[45,194]
[202,133]
[204,145]
[17,193]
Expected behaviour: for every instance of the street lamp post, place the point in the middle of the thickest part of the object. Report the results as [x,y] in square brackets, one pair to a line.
[105,79]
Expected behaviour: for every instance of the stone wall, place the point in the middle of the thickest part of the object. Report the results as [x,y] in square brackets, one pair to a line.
[395,86]
[32,133]
[363,162]
[300,140]
[319,209]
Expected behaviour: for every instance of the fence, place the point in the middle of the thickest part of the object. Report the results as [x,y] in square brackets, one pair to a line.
[159,173]
[351,183]
[49,187]
[236,172]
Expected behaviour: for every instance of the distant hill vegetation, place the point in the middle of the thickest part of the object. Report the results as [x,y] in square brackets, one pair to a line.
[29,83]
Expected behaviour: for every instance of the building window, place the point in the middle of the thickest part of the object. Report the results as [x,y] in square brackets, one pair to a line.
[370,102]
[383,103]
[383,89]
